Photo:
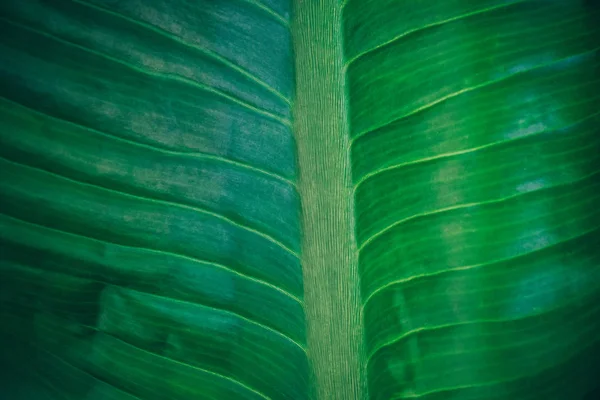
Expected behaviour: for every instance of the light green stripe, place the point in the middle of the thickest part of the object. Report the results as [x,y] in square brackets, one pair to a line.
[329,252]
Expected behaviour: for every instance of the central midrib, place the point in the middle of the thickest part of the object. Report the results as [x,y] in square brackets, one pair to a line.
[329,252]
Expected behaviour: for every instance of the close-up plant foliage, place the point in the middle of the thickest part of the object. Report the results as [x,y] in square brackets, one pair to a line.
[299,199]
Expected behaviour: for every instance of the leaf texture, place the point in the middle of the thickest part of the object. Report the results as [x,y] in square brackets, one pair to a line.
[475,148]
[150,229]
[277,199]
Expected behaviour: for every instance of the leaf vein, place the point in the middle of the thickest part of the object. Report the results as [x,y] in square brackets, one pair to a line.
[269,11]
[469,89]
[431,25]
[237,315]
[248,319]
[467,205]
[185,364]
[155,251]
[388,285]
[415,331]
[205,52]
[163,202]
[159,75]
[423,394]
[155,148]
[382,170]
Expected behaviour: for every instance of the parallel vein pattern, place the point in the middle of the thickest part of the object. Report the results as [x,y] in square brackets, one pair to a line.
[149,216]
[209,199]
[475,155]
[329,253]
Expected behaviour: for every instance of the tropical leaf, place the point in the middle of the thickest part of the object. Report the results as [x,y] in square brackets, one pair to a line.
[308,199]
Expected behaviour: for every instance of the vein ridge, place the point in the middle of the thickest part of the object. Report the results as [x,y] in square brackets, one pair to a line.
[467,90]
[150,250]
[152,147]
[205,52]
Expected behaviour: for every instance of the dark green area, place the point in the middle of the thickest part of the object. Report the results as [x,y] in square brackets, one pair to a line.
[299,199]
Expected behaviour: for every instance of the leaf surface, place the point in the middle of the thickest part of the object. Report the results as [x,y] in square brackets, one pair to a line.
[276,199]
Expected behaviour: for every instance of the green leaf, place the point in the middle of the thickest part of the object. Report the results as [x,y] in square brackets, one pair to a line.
[294,199]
